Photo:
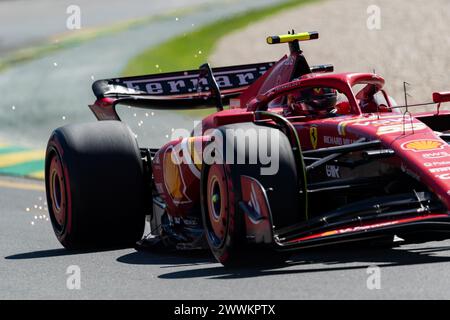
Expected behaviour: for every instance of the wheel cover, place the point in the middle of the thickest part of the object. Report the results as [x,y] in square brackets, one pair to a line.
[216,197]
[57,192]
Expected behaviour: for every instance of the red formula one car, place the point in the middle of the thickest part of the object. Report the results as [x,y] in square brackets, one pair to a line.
[301,157]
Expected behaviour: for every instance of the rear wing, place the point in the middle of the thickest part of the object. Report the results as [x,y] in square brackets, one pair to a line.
[186,89]
[192,85]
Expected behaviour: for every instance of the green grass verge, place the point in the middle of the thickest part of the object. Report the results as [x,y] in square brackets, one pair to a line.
[190,50]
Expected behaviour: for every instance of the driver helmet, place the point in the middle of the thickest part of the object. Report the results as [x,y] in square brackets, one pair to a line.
[319,100]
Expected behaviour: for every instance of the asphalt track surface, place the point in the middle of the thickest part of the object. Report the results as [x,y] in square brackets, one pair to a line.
[33,265]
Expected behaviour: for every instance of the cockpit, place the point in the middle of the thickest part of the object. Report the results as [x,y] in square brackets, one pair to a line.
[326,101]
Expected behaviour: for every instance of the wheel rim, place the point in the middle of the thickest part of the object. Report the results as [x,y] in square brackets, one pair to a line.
[216,203]
[57,192]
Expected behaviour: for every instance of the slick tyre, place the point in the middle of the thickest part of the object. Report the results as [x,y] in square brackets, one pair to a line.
[224,220]
[95,185]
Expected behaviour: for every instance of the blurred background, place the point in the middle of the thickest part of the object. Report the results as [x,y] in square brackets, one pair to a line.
[51,51]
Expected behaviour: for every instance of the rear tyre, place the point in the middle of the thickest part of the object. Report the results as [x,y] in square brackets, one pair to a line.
[94,181]
[223,219]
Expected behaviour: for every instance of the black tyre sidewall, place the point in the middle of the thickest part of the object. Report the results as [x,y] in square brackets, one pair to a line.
[102,164]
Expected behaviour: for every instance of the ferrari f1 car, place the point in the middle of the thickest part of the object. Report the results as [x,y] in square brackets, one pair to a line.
[299,157]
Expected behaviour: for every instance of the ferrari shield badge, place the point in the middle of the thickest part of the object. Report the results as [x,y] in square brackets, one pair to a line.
[313,136]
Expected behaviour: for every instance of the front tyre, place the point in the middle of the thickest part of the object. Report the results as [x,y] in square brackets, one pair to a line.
[221,194]
[94,180]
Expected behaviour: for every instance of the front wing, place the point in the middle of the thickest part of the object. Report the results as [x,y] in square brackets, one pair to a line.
[260,229]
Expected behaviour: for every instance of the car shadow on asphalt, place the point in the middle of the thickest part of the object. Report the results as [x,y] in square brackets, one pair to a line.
[308,261]
[59,252]
[168,259]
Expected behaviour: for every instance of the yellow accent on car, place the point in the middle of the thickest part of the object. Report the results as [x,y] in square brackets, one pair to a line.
[423,145]
[313,135]
[172,178]
[303,36]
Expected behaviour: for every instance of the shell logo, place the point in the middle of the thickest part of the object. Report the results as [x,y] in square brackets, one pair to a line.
[423,145]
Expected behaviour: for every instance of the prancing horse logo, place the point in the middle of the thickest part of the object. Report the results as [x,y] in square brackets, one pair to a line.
[313,136]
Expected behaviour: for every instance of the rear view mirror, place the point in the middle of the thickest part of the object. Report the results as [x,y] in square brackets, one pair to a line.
[439,97]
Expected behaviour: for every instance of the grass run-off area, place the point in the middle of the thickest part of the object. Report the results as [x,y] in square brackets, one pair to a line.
[190,50]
